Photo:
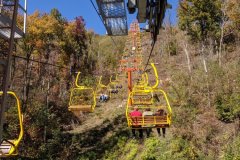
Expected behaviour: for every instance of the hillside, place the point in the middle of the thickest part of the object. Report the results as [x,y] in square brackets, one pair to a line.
[198,68]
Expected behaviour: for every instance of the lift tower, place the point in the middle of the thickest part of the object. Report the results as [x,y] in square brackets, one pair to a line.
[132,58]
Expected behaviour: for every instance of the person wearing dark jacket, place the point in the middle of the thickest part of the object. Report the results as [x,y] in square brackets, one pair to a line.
[161,112]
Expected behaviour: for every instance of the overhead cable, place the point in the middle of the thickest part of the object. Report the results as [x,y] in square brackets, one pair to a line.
[37,61]
[95,8]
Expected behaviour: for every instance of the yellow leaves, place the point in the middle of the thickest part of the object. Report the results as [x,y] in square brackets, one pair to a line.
[42,28]
[233,12]
[41,24]
[70,28]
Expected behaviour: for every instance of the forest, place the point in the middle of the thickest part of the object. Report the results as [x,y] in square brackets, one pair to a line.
[198,63]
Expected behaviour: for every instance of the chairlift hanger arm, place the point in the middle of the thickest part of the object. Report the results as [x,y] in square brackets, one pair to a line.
[146,78]
[110,79]
[152,11]
[37,61]
[100,82]
[156,76]
[76,81]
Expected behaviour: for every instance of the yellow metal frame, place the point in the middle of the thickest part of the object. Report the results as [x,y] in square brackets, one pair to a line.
[100,83]
[144,89]
[156,76]
[142,83]
[79,87]
[84,88]
[169,113]
[15,143]
[102,86]
[141,94]
[115,82]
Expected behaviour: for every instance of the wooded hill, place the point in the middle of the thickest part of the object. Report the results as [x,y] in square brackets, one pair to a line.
[198,63]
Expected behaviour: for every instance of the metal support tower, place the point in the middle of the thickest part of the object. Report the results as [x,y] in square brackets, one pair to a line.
[132,57]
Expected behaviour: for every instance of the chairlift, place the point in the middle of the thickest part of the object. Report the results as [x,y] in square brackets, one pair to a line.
[102,89]
[82,98]
[149,97]
[152,121]
[8,147]
[114,86]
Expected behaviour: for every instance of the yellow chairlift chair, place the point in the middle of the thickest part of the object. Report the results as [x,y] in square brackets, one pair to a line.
[142,83]
[82,98]
[159,102]
[102,89]
[153,121]
[9,148]
[114,86]
[142,92]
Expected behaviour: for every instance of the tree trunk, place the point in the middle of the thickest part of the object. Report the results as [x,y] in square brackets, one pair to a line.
[188,60]
[220,45]
[222,30]
[46,111]
[206,74]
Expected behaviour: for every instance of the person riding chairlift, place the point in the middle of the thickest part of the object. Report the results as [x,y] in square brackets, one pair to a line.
[136,113]
[161,112]
[103,97]
[146,113]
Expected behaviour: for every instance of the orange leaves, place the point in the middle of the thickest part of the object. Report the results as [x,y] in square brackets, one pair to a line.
[39,43]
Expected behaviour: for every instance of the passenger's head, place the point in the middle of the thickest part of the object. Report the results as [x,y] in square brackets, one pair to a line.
[161,110]
[148,109]
[136,108]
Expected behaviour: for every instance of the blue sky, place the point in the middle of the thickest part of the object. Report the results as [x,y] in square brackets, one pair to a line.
[73,8]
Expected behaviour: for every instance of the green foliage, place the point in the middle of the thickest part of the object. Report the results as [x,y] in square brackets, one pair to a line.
[171,47]
[131,149]
[152,147]
[228,107]
[200,19]
[233,150]
[54,39]
[182,149]
[124,148]
[11,122]
[108,57]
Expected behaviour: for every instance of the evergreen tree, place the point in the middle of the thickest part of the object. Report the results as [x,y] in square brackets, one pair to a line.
[201,19]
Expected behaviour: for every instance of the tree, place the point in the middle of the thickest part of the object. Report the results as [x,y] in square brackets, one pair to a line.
[76,42]
[200,19]
[233,13]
